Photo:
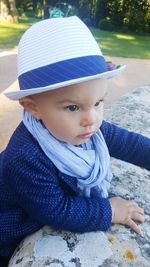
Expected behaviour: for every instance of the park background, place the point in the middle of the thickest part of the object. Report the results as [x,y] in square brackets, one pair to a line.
[121,27]
[127,15]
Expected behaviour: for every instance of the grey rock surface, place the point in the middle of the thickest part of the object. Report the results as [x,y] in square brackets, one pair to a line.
[120,246]
[59,248]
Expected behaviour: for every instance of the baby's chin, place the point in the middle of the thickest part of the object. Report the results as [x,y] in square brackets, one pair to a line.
[79,142]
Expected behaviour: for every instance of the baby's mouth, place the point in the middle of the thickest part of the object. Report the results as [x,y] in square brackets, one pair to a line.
[86,135]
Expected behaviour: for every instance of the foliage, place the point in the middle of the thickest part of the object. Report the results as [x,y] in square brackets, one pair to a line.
[137,18]
[102,11]
[132,15]
[106,24]
[128,15]
[87,9]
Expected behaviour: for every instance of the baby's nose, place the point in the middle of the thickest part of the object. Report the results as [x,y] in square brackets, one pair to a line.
[88,119]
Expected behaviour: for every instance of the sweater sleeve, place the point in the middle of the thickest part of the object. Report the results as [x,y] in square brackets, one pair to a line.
[127,145]
[33,179]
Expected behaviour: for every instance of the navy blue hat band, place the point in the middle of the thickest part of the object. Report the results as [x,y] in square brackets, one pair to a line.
[63,71]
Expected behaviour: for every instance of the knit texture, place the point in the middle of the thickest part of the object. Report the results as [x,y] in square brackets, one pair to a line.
[33,193]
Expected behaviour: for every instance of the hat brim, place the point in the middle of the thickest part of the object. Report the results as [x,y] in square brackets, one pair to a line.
[16,95]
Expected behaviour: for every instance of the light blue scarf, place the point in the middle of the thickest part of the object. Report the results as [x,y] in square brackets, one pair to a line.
[89,163]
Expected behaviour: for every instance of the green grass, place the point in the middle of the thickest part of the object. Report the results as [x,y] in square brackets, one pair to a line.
[111,43]
[123,45]
[10,33]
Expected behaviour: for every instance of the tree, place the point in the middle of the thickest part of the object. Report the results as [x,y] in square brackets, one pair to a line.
[8,11]
[102,10]
[137,15]
[133,15]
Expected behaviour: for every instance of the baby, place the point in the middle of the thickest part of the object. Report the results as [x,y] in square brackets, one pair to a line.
[55,168]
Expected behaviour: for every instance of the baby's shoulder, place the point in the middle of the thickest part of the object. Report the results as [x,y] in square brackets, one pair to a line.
[22,145]
[24,158]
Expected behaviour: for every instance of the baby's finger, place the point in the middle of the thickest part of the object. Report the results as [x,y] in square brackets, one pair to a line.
[136,216]
[134,226]
[136,208]
[140,210]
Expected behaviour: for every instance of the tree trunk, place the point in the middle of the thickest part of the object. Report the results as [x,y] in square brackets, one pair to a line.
[8,11]
[13,10]
[3,10]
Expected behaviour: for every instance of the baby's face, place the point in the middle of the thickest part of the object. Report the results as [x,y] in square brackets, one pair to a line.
[73,113]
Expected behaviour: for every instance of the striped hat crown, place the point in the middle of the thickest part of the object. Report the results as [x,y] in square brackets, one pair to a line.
[54,53]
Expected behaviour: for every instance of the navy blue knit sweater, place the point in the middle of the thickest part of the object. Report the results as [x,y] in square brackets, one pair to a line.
[34,193]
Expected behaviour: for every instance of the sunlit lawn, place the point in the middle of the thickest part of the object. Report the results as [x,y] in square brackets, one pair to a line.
[112,43]
[10,33]
[123,45]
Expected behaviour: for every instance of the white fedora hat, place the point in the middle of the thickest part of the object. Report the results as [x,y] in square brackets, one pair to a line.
[54,53]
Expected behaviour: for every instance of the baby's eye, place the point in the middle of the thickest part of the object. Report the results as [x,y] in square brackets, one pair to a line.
[72,108]
[98,103]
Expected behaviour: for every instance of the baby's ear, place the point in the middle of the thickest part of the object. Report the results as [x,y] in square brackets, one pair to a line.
[29,104]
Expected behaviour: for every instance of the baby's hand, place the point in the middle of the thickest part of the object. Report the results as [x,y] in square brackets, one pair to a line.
[126,212]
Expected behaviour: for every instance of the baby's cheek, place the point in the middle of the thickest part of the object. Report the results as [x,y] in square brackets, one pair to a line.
[62,133]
